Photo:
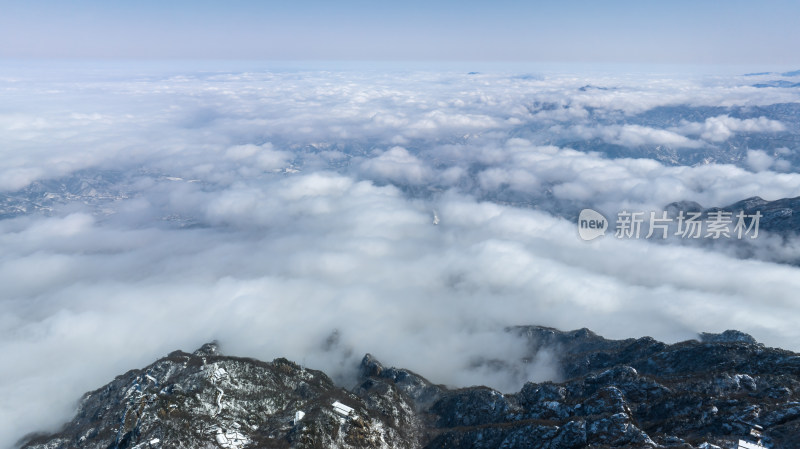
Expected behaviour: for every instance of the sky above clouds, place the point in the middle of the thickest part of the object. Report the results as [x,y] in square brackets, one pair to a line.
[289,213]
[627,31]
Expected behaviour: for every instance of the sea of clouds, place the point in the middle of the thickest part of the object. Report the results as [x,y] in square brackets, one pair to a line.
[290,213]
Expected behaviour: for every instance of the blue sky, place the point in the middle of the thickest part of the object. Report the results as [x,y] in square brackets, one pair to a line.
[697,32]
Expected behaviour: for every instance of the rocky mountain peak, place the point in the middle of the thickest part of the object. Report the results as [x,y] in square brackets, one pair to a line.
[729,336]
[208,349]
[631,393]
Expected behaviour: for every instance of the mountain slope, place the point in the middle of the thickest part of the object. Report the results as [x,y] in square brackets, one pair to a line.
[617,393]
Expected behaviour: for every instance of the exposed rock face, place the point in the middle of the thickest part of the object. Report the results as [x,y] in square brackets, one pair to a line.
[206,400]
[781,217]
[631,393]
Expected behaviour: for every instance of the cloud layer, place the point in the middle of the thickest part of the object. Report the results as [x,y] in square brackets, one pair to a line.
[291,214]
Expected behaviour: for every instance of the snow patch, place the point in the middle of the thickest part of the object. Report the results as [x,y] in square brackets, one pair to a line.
[231,439]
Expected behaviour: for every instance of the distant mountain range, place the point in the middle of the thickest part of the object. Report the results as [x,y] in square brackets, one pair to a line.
[780,216]
[791,73]
[777,83]
[632,393]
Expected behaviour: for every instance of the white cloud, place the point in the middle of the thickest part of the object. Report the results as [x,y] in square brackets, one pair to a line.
[210,224]
[397,165]
[636,135]
[335,254]
[594,180]
[759,160]
[723,127]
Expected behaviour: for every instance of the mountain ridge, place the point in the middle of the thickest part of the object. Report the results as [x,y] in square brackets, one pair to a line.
[636,392]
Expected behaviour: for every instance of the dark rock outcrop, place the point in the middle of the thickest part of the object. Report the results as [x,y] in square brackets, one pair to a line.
[632,393]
